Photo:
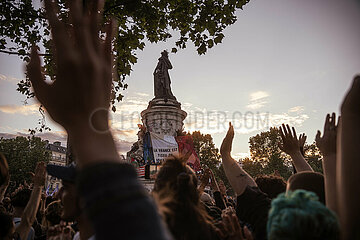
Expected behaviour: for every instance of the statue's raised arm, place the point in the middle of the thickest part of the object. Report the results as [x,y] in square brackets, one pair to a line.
[162,80]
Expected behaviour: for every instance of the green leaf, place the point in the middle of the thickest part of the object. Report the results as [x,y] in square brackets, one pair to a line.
[202,49]
[22,52]
[210,43]
[218,38]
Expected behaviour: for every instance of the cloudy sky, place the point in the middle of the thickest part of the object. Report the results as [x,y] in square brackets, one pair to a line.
[282,61]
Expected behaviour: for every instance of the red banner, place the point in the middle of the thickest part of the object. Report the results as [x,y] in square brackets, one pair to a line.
[186,144]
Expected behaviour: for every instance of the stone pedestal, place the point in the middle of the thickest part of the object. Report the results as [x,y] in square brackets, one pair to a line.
[163,116]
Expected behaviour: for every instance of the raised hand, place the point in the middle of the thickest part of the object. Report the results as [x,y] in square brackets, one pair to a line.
[204,180]
[238,178]
[29,214]
[226,145]
[327,143]
[327,146]
[214,184]
[80,93]
[79,96]
[290,143]
[302,141]
[205,177]
[230,227]
[292,146]
[40,175]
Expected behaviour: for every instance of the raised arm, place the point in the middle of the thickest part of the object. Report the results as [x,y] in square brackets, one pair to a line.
[219,200]
[204,180]
[348,163]
[79,100]
[327,147]
[239,179]
[29,214]
[291,145]
[214,184]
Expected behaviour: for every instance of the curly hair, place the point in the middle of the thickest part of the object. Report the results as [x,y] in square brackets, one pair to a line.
[176,193]
[271,185]
[299,215]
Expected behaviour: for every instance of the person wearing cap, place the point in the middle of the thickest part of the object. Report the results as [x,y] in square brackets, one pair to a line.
[70,200]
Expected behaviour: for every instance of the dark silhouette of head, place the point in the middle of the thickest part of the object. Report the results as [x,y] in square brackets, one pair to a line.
[310,181]
[53,213]
[271,185]
[21,198]
[7,226]
[176,193]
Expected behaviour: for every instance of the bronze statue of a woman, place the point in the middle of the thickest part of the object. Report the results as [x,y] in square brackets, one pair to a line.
[162,81]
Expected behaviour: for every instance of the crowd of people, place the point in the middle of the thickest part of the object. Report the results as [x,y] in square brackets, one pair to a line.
[102,198]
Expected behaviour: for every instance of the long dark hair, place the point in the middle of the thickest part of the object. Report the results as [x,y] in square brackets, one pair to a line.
[176,193]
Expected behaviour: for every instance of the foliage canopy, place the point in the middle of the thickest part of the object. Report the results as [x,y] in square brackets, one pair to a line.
[23,23]
[22,154]
[267,158]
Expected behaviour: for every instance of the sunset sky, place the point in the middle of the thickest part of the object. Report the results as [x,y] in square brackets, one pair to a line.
[283,61]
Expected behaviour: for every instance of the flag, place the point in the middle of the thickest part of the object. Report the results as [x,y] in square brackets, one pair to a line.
[148,150]
[134,162]
[141,171]
[186,144]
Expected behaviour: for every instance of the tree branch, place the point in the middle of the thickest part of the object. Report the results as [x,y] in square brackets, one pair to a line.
[24,54]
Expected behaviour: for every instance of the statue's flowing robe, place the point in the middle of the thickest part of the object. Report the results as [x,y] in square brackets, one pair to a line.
[162,80]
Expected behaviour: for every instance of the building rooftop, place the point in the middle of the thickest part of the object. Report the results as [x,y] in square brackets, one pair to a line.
[56,147]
